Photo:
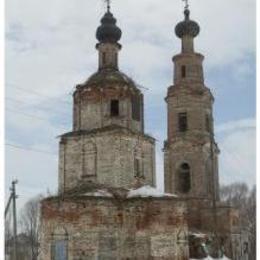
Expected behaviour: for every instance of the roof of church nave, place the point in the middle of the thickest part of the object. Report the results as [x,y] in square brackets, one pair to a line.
[107,77]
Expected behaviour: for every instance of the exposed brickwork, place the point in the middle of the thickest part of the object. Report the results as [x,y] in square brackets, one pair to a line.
[108,149]
[192,146]
[191,153]
[105,228]
[106,157]
[92,105]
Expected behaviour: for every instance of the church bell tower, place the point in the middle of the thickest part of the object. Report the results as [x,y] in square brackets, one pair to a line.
[190,152]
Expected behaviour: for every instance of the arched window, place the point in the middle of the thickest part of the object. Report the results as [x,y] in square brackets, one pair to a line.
[136,107]
[89,159]
[114,107]
[104,58]
[59,244]
[208,174]
[116,59]
[183,122]
[208,123]
[183,71]
[184,178]
[137,167]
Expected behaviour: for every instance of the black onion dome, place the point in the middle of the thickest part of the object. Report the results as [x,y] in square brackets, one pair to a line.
[108,32]
[187,27]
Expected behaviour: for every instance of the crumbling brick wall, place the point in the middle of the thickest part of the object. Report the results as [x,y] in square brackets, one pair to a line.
[108,228]
[106,157]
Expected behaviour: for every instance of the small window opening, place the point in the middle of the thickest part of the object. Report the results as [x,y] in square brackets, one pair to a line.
[136,108]
[183,71]
[184,178]
[208,128]
[183,124]
[246,248]
[137,168]
[114,108]
[116,60]
[104,58]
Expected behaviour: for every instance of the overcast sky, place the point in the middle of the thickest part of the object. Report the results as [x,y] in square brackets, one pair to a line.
[50,47]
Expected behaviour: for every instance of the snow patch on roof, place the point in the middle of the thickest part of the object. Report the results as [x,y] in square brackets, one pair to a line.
[148,191]
[210,258]
[198,235]
[99,193]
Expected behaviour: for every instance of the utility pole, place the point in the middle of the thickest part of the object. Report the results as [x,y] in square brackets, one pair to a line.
[8,204]
[14,197]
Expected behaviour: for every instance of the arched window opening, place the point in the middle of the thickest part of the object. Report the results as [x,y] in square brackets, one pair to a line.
[116,60]
[137,168]
[114,107]
[184,184]
[104,58]
[59,245]
[183,122]
[136,108]
[59,250]
[208,126]
[208,176]
[183,71]
[89,159]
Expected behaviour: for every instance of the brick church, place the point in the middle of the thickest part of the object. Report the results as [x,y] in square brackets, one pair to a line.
[107,206]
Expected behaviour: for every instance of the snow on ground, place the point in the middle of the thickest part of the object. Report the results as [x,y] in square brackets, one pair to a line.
[148,191]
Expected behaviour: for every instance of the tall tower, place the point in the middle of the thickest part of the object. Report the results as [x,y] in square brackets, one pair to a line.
[190,152]
[107,144]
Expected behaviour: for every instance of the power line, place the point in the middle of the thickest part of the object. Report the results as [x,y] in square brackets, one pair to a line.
[44,106]
[16,100]
[25,114]
[29,149]
[37,93]
[32,116]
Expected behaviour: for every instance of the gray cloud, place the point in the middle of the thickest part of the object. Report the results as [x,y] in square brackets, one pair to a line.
[238,156]
[41,32]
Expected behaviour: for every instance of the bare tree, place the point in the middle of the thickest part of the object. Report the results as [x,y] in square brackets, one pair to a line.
[251,220]
[8,238]
[234,193]
[30,222]
[241,197]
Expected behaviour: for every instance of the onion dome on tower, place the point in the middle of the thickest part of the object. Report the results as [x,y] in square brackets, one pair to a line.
[108,31]
[108,34]
[187,30]
[187,27]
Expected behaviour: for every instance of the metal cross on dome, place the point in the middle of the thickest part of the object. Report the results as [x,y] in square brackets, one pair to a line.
[108,2]
[186,4]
